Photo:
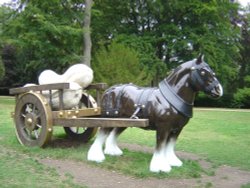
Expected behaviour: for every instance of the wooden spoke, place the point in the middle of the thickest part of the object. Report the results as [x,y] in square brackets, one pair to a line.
[79,133]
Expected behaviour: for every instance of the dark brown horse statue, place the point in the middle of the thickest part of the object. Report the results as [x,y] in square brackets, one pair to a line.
[168,108]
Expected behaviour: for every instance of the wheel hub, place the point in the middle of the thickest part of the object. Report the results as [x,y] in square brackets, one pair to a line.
[30,121]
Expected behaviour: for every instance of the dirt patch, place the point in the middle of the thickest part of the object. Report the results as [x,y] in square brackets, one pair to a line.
[95,177]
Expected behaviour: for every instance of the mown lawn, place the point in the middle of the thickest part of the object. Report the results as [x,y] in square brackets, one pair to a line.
[220,137]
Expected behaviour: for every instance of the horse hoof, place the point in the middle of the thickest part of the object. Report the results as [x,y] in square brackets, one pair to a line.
[157,167]
[113,151]
[174,161]
[95,154]
[95,158]
[165,168]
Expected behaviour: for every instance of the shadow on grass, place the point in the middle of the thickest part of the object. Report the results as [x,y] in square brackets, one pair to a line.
[63,141]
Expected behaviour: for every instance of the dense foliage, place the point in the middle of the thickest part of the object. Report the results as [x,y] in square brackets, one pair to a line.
[43,37]
[121,63]
[1,69]
[155,35]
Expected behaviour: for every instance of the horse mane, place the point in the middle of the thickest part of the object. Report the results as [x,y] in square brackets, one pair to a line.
[179,71]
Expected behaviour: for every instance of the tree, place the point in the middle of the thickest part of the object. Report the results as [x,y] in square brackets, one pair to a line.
[242,94]
[49,34]
[6,62]
[146,55]
[244,61]
[119,64]
[1,69]
[86,34]
[46,35]
[179,31]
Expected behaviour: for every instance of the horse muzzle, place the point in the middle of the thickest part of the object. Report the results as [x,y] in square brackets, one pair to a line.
[216,92]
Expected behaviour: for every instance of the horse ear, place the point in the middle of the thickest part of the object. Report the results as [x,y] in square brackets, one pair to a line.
[200,59]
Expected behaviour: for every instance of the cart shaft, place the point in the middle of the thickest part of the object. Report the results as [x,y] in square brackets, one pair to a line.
[100,122]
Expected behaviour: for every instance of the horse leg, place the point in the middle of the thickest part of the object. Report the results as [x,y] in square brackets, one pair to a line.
[111,147]
[158,162]
[173,160]
[95,152]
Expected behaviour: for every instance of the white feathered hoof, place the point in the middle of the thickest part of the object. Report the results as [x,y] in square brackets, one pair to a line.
[159,163]
[174,161]
[113,150]
[111,147]
[96,154]
[156,167]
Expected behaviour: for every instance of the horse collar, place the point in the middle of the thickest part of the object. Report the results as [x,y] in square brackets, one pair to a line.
[178,103]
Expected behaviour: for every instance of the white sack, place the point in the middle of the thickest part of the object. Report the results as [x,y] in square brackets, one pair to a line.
[79,73]
[71,96]
[79,76]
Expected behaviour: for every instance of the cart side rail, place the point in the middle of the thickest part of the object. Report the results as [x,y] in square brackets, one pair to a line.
[57,86]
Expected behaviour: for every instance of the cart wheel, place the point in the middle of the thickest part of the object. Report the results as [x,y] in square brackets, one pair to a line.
[83,133]
[33,120]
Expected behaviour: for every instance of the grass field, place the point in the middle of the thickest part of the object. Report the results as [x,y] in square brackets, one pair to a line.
[221,137]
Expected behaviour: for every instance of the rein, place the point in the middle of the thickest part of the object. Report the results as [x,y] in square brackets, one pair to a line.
[179,104]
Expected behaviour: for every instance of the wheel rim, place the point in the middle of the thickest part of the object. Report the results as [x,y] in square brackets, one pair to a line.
[33,120]
[83,133]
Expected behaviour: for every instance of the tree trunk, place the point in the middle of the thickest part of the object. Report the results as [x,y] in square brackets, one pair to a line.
[86,35]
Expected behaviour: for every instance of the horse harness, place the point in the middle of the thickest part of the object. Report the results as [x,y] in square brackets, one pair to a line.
[177,102]
[197,77]
[112,108]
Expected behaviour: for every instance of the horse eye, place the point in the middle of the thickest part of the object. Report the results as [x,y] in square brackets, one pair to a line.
[203,73]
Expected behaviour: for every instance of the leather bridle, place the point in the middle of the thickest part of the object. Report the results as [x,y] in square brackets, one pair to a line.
[199,81]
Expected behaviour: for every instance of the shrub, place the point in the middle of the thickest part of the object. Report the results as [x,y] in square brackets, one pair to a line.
[1,68]
[118,64]
[242,98]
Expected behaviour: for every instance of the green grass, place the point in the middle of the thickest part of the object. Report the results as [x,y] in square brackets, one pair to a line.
[19,170]
[19,166]
[223,137]
[220,137]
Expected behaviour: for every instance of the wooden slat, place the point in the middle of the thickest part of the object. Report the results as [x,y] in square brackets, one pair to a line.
[39,88]
[77,113]
[98,86]
[101,122]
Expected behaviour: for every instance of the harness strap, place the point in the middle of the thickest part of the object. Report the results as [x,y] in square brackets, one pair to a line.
[112,106]
[178,103]
[196,78]
[141,102]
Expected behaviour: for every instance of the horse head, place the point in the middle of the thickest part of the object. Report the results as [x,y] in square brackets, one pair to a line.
[203,78]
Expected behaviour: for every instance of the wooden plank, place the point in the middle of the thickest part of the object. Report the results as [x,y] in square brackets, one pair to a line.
[39,88]
[77,113]
[101,122]
[98,86]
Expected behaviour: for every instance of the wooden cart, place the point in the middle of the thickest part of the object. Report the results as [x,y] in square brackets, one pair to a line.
[34,116]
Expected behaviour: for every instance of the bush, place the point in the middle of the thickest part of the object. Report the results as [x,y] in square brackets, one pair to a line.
[242,98]
[1,68]
[118,65]
[202,100]
[247,81]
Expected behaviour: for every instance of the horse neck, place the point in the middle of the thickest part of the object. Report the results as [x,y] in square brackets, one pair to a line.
[180,83]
